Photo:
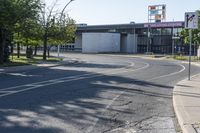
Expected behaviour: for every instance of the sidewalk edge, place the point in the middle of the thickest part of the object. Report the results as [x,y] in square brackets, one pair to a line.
[186,127]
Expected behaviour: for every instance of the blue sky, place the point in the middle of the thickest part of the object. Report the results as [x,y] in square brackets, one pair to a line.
[95,12]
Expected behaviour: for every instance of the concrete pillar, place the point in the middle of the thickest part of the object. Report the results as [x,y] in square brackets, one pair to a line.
[132,43]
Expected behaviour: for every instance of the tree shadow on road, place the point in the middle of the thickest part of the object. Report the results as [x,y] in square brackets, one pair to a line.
[76,105]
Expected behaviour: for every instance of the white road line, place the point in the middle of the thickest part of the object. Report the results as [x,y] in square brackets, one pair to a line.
[63,78]
[64,81]
[171,74]
[91,76]
[90,129]
[79,78]
[6,91]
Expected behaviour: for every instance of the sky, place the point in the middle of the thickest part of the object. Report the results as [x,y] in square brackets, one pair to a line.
[99,12]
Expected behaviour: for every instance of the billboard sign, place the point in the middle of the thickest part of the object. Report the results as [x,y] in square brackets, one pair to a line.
[191,20]
[163,25]
[156,13]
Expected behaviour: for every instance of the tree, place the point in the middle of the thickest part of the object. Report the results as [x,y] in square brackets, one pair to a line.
[29,33]
[30,22]
[14,12]
[61,34]
[53,31]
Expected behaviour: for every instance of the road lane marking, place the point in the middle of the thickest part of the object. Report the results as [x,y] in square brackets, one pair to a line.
[90,129]
[47,83]
[70,77]
[87,77]
[170,74]
[31,87]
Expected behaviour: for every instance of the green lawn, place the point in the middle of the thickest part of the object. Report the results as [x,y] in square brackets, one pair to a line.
[14,61]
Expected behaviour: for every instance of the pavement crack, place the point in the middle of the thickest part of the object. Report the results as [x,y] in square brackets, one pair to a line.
[124,104]
[111,129]
[145,119]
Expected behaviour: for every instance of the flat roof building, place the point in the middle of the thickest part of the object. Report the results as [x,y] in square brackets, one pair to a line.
[149,37]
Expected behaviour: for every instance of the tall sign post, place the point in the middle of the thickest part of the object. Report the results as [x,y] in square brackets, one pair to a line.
[157,13]
[191,22]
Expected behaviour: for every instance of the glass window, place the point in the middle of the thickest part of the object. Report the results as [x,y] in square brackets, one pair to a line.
[156,31]
[166,31]
[141,31]
[177,31]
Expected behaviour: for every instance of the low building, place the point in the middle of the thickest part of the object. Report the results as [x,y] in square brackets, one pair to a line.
[134,38]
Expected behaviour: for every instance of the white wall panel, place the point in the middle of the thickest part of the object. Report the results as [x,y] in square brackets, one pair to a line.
[100,42]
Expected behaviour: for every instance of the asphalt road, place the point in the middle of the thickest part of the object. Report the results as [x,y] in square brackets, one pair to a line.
[96,94]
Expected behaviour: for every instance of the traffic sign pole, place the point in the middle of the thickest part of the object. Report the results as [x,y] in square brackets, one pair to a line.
[191,22]
[190,54]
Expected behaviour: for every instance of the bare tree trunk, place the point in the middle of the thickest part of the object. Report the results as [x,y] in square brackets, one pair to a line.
[27,46]
[18,50]
[12,50]
[35,52]
[45,46]
[49,48]
[48,53]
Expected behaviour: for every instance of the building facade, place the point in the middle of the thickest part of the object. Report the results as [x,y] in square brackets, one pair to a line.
[150,37]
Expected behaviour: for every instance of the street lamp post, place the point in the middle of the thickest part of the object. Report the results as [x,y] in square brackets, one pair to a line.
[62,12]
[64,9]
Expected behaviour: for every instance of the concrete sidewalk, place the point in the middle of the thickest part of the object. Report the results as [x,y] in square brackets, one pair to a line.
[186,101]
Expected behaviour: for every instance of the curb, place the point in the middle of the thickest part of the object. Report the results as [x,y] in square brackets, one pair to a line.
[134,56]
[183,117]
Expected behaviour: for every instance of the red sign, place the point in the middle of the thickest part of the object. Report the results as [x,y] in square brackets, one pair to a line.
[152,7]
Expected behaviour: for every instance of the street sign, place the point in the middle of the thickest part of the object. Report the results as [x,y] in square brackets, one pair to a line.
[191,20]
